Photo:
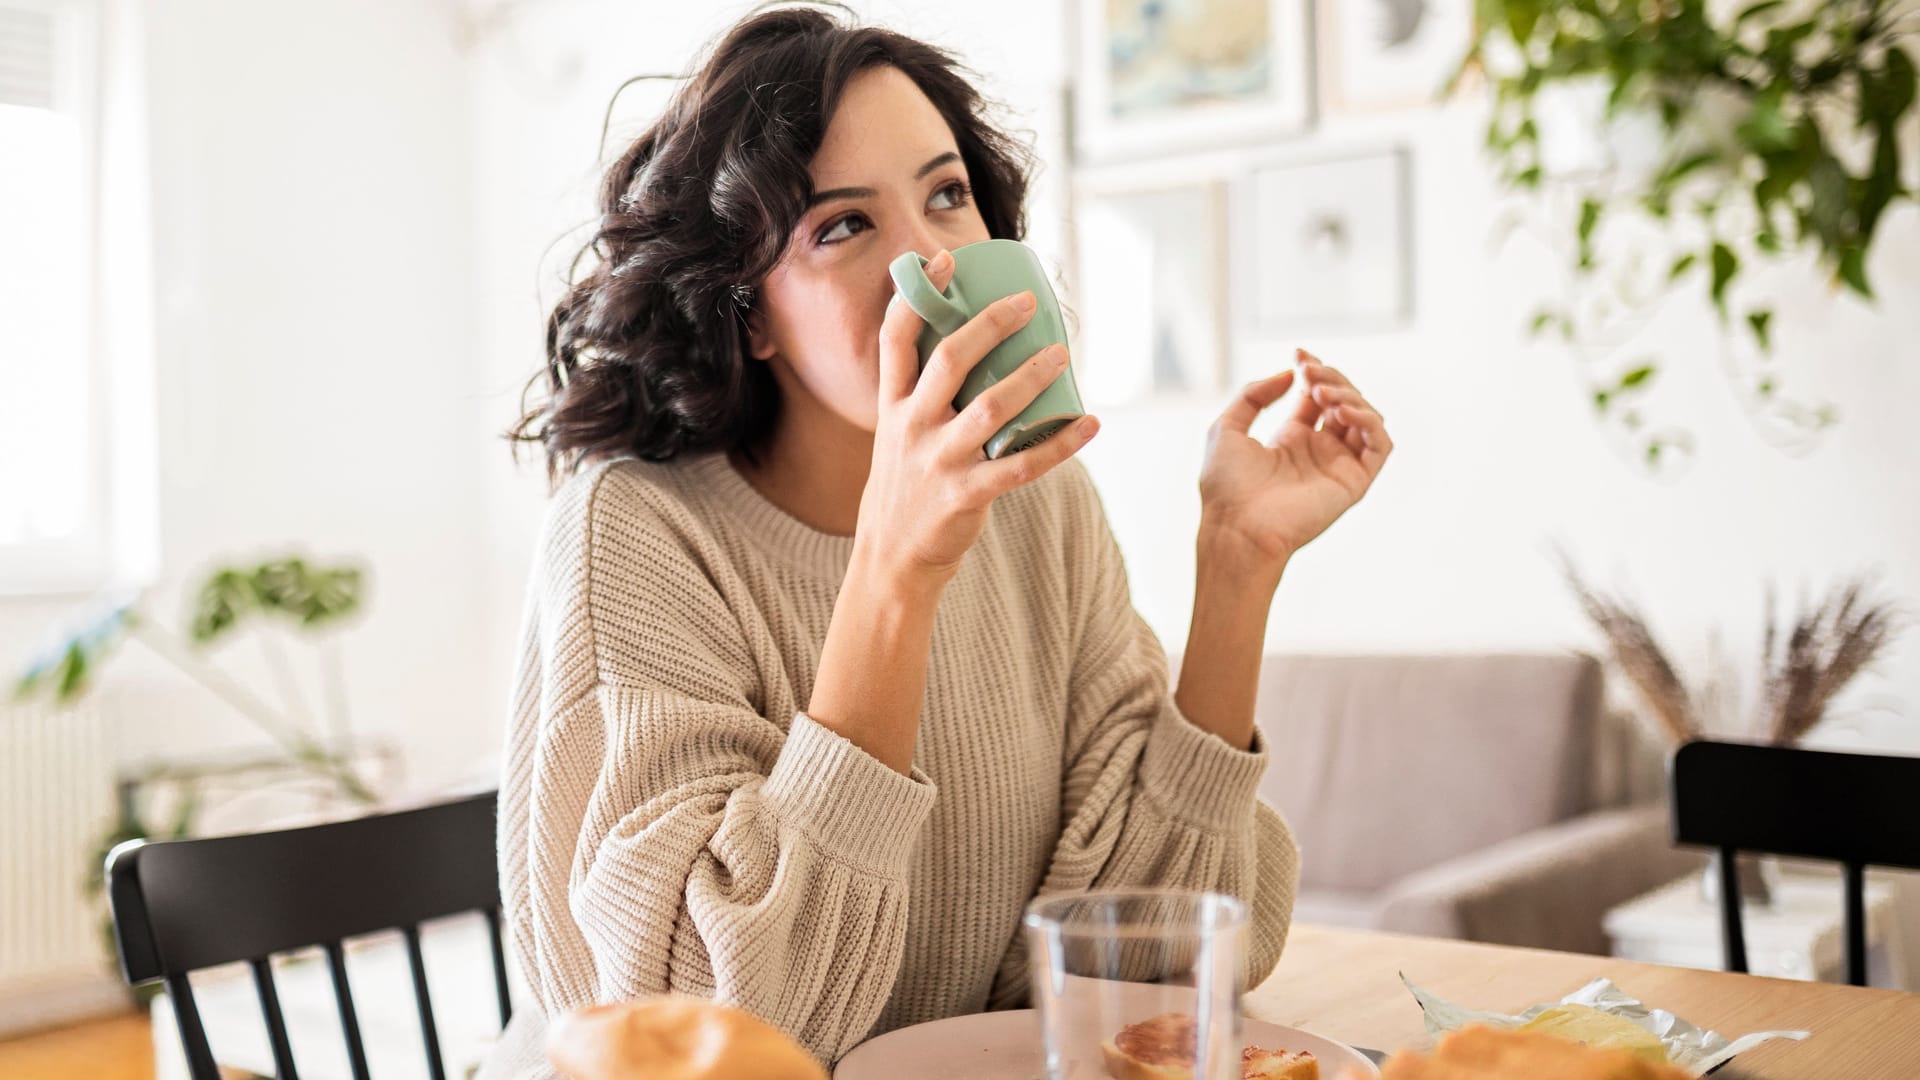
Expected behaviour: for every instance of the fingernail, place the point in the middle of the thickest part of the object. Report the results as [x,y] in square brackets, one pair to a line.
[1057,355]
[939,262]
[1087,427]
[1023,302]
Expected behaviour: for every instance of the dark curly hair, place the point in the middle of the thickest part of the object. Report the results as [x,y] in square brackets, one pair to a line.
[647,352]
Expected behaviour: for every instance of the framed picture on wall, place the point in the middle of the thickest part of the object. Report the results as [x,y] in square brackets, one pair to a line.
[1150,291]
[1161,76]
[1327,245]
[1385,54]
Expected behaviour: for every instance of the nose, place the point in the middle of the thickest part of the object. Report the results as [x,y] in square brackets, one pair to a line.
[917,236]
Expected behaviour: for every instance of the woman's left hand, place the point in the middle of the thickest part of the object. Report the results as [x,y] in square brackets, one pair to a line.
[1272,499]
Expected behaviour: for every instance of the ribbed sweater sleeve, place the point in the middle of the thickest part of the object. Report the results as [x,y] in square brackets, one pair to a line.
[1148,799]
[672,837]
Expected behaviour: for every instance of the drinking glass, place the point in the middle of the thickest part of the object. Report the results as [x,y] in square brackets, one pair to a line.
[1106,960]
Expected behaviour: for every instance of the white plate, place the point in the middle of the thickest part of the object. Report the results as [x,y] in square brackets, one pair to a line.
[1006,1046]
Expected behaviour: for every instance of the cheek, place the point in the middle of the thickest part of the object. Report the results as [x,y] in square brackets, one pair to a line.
[828,331]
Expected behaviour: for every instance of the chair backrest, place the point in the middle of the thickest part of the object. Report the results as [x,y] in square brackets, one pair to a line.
[1853,809]
[183,905]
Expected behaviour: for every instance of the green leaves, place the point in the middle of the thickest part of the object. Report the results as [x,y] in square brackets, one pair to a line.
[1757,102]
[66,670]
[1725,265]
[311,596]
[1589,218]
[1853,271]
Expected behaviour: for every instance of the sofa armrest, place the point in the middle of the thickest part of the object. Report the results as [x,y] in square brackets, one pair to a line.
[1549,888]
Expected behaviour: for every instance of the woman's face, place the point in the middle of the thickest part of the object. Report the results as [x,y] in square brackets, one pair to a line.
[889,179]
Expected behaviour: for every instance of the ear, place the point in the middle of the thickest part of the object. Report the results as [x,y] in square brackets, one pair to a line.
[759,342]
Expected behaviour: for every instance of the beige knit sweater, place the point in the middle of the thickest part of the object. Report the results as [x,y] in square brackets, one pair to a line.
[670,818]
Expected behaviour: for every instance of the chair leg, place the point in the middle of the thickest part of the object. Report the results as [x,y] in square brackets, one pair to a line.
[1733,933]
[1856,922]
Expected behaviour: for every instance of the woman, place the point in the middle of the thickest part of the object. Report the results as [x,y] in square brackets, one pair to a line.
[814,698]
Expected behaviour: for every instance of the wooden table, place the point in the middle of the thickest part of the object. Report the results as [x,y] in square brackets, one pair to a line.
[1345,984]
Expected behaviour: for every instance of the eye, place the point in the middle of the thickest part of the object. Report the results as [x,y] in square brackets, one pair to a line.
[841,229]
[956,195]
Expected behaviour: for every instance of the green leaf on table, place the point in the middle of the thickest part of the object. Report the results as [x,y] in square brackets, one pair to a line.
[1760,321]
[1768,241]
[1637,376]
[1681,265]
[1601,399]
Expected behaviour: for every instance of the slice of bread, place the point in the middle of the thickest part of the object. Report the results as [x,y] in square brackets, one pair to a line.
[1485,1053]
[1259,1064]
[1164,1048]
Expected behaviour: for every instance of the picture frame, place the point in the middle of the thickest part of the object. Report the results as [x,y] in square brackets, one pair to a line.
[1374,55]
[1163,76]
[1324,245]
[1151,290]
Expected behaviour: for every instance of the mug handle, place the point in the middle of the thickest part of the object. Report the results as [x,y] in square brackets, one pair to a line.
[910,276]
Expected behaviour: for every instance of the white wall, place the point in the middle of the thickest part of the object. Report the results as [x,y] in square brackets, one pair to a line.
[314,354]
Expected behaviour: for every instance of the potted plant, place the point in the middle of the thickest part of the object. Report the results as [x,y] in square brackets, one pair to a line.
[1774,131]
[170,799]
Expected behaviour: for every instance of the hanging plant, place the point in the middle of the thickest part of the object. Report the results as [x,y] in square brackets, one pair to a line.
[1779,135]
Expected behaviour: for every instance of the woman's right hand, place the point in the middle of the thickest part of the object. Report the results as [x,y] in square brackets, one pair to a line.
[931,483]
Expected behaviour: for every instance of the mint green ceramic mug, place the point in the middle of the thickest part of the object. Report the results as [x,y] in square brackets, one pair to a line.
[982,273]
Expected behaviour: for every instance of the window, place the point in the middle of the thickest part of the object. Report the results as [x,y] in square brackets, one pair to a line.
[56,455]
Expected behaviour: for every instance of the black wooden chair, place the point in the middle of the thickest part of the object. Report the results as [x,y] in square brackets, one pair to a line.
[183,905]
[1858,810]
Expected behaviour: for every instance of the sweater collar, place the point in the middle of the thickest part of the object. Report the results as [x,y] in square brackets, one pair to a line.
[773,529]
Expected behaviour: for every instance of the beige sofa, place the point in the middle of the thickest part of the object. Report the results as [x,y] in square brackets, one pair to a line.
[1485,797]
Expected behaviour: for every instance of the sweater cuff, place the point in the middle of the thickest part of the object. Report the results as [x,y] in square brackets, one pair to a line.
[1197,777]
[845,800]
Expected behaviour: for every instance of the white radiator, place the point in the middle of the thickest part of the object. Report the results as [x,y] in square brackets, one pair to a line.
[56,801]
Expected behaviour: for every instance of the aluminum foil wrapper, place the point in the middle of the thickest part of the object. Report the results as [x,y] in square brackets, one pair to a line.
[1692,1048]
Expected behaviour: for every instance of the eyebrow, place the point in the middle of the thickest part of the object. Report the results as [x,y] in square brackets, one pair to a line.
[868,193]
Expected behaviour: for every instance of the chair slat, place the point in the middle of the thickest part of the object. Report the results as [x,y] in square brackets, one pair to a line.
[276,1021]
[1856,923]
[349,1020]
[499,965]
[1732,930]
[429,1034]
[193,1037]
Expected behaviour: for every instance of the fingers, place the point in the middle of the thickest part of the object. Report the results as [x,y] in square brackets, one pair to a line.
[955,356]
[1361,428]
[900,333]
[1254,397]
[995,478]
[1002,401]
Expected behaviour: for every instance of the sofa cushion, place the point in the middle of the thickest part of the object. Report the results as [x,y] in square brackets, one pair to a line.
[1326,907]
[1385,765]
